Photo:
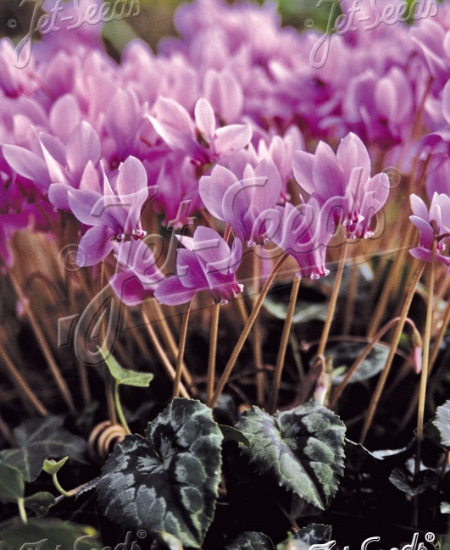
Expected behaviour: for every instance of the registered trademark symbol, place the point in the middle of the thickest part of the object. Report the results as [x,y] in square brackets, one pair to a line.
[309,23]
[12,23]
[141,534]
[429,537]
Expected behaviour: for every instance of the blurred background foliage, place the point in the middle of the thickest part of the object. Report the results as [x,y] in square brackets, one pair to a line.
[155,19]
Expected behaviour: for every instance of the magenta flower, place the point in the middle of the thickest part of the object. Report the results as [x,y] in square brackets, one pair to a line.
[342,185]
[207,263]
[202,140]
[242,204]
[302,234]
[432,224]
[139,275]
[113,215]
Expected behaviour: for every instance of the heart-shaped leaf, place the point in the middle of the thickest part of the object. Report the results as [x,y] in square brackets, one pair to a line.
[424,479]
[167,481]
[344,355]
[303,448]
[251,540]
[11,484]
[40,503]
[125,376]
[41,438]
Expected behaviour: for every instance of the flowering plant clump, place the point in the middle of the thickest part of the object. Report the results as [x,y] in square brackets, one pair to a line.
[224,227]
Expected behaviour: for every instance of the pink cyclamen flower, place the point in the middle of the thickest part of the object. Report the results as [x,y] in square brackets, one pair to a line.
[139,275]
[207,263]
[113,215]
[242,203]
[202,140]
[432,224]
[341,183]
[303,236]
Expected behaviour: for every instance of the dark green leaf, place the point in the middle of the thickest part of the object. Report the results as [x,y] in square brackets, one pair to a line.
[41,438]
[88,486]
[442,422]
[400,477]
[11,484]
[47,533]
[125,376]
[303,313]
[40,503]
[303,448]
[362,459]
[345,353]
[169,541]
[251,540]
[168,480]
[232,434]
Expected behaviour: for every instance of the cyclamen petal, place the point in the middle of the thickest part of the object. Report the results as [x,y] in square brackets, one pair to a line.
[212,189]
[207,264]
[205,119]
[94,246]
[232,138]
[433,224]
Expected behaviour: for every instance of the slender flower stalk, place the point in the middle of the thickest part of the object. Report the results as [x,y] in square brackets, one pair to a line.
[333,300]
[257,337]
[170,342]
[373,342]
[43,344]
[425,361]
[181,347]
[283,344]
[26,393]
[246,331]
[119,409]
[161,353]
[211,374]
[391,283]
[395,340]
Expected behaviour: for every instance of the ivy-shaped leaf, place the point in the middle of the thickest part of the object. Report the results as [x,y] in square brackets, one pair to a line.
[47,533]
[424,479]
[251,540]
[125,376]
[344,355]
[442,422]
[167,481]
[11,484]
[40,503]
[303,448]
[41,438]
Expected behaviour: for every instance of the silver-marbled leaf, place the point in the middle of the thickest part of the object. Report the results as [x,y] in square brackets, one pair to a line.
[167,480]
[442,422]
[302,448]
